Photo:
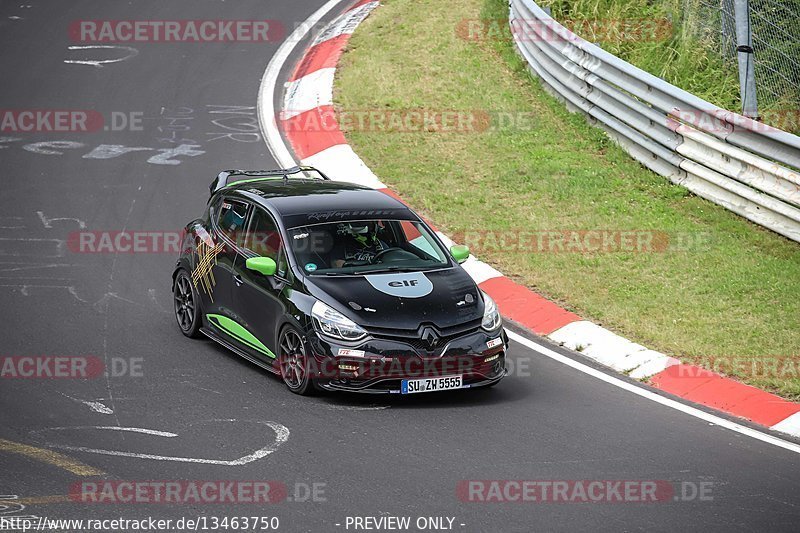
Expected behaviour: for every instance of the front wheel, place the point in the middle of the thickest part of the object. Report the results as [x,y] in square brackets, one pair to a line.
[294,362]
[187,305]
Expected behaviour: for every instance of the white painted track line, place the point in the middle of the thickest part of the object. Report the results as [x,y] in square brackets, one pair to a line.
[650,395]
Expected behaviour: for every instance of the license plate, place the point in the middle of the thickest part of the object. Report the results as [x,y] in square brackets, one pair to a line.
[413,386]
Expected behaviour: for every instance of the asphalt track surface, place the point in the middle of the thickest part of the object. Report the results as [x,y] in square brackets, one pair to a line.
[374,456]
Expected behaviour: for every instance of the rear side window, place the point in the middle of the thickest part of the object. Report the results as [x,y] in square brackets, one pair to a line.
[231,218]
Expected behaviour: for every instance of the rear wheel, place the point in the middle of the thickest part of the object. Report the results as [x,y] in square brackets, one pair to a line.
[294,362]
[187,305]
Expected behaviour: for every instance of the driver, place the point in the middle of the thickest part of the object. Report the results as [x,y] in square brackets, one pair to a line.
[358,244]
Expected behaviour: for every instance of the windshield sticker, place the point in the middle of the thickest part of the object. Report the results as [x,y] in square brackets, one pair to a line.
[310,267]
[366,213]
[403,285]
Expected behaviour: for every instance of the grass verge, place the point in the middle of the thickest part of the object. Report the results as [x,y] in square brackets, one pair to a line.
[728,299]
[680,42]
[677,53]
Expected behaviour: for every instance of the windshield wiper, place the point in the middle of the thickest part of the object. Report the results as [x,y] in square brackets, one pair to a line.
[394,269]
[385,269]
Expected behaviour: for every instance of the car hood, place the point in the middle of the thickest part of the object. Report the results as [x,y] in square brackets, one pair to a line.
[444,298]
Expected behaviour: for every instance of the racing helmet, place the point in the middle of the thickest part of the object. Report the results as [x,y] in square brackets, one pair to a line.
[362,228]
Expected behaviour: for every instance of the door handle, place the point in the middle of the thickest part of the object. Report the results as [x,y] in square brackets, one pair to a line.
[238,279]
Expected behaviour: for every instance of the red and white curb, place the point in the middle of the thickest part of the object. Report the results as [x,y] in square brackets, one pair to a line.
[308,121]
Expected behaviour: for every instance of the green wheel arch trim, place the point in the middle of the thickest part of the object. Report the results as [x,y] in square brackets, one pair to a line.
[240,333]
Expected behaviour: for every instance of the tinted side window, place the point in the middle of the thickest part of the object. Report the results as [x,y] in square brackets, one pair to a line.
[263,237]
[231,219]
[283,265]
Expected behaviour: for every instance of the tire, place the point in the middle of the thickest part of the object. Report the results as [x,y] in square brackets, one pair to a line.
[187,305]
[294,363]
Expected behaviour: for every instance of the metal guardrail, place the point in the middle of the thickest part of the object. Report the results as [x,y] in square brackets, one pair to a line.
[742,165]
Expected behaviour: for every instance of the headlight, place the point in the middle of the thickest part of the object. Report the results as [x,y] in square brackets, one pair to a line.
[491,316]
[334,324]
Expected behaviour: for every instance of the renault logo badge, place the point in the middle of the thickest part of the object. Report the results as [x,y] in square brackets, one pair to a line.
[430,337]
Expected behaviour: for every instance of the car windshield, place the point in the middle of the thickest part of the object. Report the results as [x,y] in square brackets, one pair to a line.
[366,247]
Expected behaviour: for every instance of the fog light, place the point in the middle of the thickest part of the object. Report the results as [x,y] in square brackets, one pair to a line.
[491,358]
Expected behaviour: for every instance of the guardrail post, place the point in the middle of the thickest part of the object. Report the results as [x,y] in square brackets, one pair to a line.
[744,47]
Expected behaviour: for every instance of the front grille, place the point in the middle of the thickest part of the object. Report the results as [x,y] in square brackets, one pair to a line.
[415,337]
[422,345]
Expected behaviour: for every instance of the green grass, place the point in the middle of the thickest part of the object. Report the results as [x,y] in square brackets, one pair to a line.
[688,52]
[736,296]
[684,58]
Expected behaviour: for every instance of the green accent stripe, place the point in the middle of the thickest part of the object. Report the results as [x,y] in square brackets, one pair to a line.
[240,333]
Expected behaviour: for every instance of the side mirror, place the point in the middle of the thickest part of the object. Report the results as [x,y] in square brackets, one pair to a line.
[460,252]
[264,265]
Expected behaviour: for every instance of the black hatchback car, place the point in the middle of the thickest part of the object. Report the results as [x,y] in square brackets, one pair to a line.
[334,286]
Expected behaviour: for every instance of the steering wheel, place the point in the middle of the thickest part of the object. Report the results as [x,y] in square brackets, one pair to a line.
[380,255]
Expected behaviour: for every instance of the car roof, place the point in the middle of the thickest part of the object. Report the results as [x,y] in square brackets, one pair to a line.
[301,202]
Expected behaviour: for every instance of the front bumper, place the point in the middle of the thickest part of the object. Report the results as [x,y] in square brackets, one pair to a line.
[379,365]
[393,385]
